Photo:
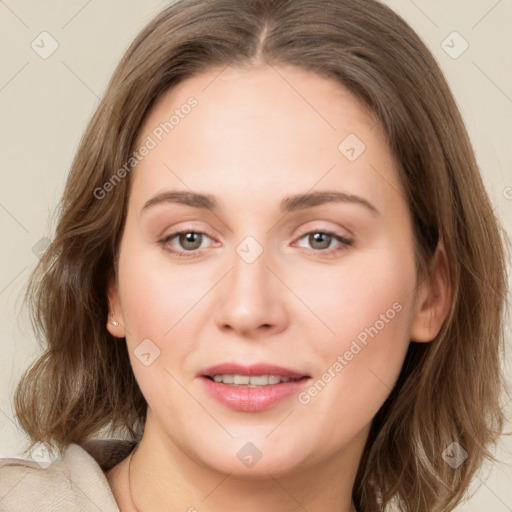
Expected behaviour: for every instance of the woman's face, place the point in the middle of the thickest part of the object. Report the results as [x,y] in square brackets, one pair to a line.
[300,256]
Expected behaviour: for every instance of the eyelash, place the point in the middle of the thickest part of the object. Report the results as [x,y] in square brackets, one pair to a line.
[345,242]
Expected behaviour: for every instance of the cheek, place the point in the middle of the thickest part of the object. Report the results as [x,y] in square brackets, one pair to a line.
[350,298]
[158,300]
[156,294]
[368,307]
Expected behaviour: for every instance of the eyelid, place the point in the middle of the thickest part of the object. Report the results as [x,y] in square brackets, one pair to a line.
[319,226]
[174,234]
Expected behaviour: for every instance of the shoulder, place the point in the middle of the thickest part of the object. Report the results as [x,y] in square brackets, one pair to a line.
[75,481]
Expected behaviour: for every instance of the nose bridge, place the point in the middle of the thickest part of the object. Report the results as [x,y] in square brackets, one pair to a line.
[250,296]
[250,272]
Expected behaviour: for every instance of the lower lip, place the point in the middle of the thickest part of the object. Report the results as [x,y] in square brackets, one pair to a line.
[244,398]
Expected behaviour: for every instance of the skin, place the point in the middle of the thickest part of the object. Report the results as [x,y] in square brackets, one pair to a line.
[258,135]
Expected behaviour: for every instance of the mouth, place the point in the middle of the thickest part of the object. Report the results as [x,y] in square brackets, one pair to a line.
[252,388]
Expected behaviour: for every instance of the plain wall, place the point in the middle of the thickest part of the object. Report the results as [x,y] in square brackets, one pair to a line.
[46,103]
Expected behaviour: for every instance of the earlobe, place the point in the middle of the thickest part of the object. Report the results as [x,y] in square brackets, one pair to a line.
[115,323]
[433,299]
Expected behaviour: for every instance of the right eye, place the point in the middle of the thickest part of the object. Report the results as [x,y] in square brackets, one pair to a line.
[188,239]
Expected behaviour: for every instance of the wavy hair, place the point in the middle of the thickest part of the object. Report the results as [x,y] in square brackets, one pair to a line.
[448,390]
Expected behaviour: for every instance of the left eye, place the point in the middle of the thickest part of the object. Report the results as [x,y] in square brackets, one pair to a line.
[321,241]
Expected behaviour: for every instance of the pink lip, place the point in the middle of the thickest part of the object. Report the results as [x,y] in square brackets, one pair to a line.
[251,399]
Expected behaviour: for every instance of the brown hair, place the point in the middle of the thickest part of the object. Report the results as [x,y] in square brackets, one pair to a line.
[448,390]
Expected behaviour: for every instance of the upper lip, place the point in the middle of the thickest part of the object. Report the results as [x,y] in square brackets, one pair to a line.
[250,370]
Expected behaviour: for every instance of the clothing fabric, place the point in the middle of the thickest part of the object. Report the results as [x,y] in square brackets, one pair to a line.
[75,481]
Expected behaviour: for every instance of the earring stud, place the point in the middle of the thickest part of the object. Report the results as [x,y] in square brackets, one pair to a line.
[114,322]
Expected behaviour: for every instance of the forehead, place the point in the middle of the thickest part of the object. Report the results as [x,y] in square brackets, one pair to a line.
[268,93]
[262,129]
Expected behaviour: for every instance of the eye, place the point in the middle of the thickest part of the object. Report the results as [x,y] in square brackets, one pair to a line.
[189,240]
[321,241]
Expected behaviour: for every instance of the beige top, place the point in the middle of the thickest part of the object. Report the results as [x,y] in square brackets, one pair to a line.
[74,482]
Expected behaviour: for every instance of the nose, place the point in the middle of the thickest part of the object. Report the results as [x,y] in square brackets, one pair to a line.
[251,299]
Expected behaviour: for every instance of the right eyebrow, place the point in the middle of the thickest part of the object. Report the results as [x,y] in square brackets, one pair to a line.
[204,201]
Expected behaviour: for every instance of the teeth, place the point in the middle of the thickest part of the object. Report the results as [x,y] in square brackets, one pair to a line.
[252,381]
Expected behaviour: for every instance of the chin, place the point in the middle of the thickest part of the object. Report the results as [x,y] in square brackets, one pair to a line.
[247,460]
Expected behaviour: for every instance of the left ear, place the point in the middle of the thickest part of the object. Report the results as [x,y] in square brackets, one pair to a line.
[433,298]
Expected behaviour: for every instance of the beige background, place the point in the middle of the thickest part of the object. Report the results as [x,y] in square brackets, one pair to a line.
[46,104]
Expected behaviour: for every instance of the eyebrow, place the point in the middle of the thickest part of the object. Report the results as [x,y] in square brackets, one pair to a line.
[288,204]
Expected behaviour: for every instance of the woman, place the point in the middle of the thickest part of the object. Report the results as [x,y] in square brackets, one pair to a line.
[272,272]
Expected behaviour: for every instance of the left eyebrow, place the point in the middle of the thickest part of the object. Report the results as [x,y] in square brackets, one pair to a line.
[303,201]
[288,204]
